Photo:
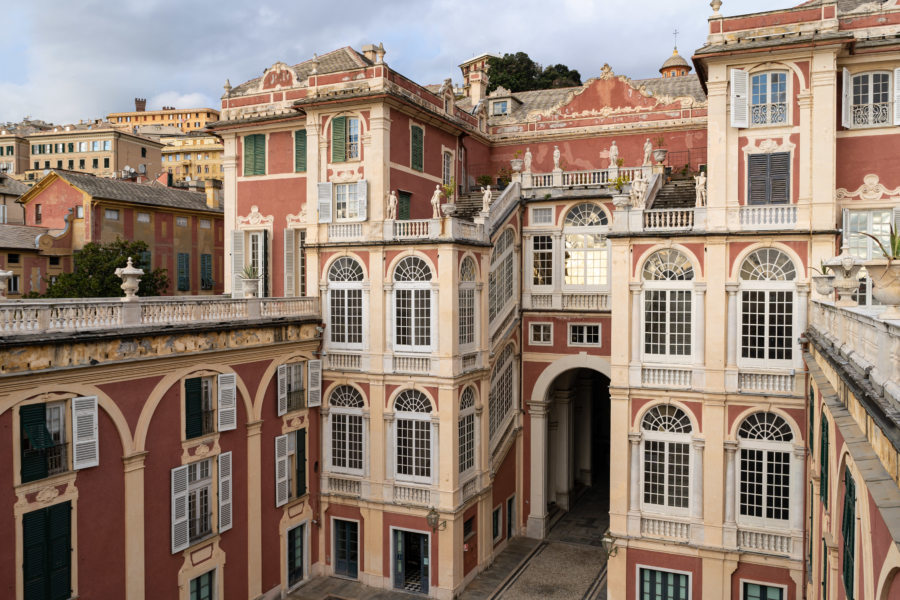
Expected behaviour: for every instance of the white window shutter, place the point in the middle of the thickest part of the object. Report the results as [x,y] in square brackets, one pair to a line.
[896,96]
[225,512]
[895,218]
[314,383]
[847,100]
[362,193]
[289,249]
[325,202]
[740,100]
[237,263]
[227,402]
[282,389]
[180,538]
[85,445]
[281,470]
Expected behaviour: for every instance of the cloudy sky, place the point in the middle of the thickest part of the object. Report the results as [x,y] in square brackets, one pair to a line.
[67,60]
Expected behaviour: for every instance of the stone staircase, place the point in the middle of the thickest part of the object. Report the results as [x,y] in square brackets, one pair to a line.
[675,194]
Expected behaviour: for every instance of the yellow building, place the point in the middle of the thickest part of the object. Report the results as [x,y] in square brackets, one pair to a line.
[188,119]
[192,158]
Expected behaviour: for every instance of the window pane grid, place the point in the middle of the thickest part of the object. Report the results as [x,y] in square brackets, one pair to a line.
[466,316]
[542,259]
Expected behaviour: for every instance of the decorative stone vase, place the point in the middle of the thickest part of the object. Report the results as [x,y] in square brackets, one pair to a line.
[250,287]
[449,209]
[846,276]
[885,277]
[5,276]
[659,155]
[131,279]
[622,199]
[516,164]
[824,284]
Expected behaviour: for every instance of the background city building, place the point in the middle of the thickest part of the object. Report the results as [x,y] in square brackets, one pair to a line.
[186,119]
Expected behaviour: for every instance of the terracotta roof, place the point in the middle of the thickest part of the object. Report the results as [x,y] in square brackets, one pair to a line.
[771,41]
[848,6]
[342,59]
[11,187]
[20,236]
[153,193]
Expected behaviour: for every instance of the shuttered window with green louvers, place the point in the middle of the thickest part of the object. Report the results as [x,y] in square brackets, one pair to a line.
[255,154]
[47,553]
[206,274]
[823,462]
[184,272]
[848,529]
[769,177]
[417,148]
[339,139]
[301,462]
[193,408]
[300,151]
[35,440]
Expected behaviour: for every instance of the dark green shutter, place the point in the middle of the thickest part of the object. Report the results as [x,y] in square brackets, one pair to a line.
[249,153]
[47,552]
[255,154]
[193,408]
[848,528]
[339,139]
[34,554]
[300,151]
[810,437]
[59,543]
[34,439]
[301,462]
[823,462]
[417,148]
[206,276]
[403,206]
[779,177]
[758,176]
[146,260]
[184,272]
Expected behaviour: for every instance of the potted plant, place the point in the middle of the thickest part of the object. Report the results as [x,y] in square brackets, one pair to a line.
[517,163]
[824,281]
[250,278]
[449,208]
[659,155]
[484,180]
[885,274]
[620,162]
[622,185]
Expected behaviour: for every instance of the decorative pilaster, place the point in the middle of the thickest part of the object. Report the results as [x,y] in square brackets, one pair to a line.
[803,299]
[537,518]
[699,375]
[697,446]
[634,369]
[254,508]
[729,533]
[634,483]
[134,526]
[731,370]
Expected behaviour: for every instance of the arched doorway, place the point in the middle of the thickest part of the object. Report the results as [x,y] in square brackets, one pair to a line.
[570,430]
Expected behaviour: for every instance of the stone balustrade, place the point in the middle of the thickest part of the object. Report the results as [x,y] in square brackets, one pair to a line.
[669,219]
[769,217]
[19,317]
[589,178]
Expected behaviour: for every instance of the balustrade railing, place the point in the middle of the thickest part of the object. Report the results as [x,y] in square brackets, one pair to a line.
[541,180]
[344,487]
[669,219]
[770,216]
[670,377]
[411,364]
[501,205]
[764,541]
[777,383]
[344,231]
[665,528]
[412,229]
[344,361]
[411,495]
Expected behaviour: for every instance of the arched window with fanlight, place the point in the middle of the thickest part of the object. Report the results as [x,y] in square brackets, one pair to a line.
[666,440]
[765,441]
[467,315]
[668,306]
[767,309]
[413,307]
[413,437]
[348,435]
[586,254]
[502,279]
[466,430]
[345,304]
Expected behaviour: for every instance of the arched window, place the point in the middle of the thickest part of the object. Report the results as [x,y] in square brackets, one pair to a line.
[501,281]
[412,305]
[413,438]
[586,258]
[467,302]
[347,435]
[765,445]
[668,306]
[767,308]
[501,400]
[467,430]
[345,303]
[667,459]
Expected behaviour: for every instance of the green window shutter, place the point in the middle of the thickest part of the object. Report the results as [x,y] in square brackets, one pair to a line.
[823,462]
[35,438]
[206,276]
[848,528]
[34,553]
[259,159]
[300,151]
[184,271]
[249,153]
[758,176]
[193,408]
[59,544]
[301,462]
[339,139]
[403,202]
[47,552]
[146,262]
[417,148]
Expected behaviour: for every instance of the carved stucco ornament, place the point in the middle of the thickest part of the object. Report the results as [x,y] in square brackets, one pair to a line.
[47,494]
[255,219]
[871,189]
[298,219]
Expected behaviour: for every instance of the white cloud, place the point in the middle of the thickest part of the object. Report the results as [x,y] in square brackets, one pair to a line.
[170,98]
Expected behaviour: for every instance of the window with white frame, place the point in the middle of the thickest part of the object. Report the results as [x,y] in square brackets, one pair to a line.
[542,215]
[199,499]
[656,584]
[871,99]
[204,586]
[502,396]
[501,280]
[143,217]
[540,334]
[758,591]
[875,222]
[346,206]
[584,334]
[447,168]
[111,214]
[466,430]
[291,392]
[413,444]
[668,306]
[586,258]
[412,305]
[467,302]
[666,449]
[345,303]
[347,437]
[765,442]
[542,260]
[768,99]
[500,107]
[767,308]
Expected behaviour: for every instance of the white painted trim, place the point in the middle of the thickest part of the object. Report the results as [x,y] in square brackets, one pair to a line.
[393,557]
[637,577]
[570,343]
[531,339]
[334,547]
[306,551]
[784,588]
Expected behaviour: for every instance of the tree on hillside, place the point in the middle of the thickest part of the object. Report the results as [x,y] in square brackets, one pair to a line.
[95,272]
[518,73]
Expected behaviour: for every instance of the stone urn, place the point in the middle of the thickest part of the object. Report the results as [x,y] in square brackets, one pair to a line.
[131,279]
[449,209]
[824,284]
[516,164]
[659,155]
[622,199]
[250,287]
[885,275]
[5,276]
[846,276]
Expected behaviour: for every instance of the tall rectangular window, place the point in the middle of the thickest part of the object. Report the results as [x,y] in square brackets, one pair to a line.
[768,176]
[466,316]
[823,462]
[872,100]
[206,272]
[199,499]
[667,322]
[346,203]
[202,587]
[447,168]
[417,148]
[47,552]
[184,272]
[295,547]
[768,99]
[767,327]
[848,531]
[42,434]
[413,323]
[300,151]
[876,222]
[542,260]
[199,408]
[663,585]
[254,154]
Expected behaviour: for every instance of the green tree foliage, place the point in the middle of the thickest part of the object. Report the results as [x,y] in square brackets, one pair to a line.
[95,272]
[518,73]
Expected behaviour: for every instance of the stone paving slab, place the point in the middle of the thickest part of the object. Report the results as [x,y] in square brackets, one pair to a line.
[559,571]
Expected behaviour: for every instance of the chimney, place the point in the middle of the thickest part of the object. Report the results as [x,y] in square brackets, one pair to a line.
[140,104]
[369,52]
[214,193]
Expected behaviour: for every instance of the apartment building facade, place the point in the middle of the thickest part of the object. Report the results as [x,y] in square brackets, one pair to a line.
[187,119]
[193,157]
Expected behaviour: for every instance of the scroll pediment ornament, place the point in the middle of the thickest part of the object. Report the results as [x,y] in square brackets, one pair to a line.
[298,219]
[278,75]
[255,219]
[349,176]
[871,189]
[769,146]
[47,494]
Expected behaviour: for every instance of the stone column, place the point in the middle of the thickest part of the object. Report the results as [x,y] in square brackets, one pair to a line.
[563,404]
[537,518]
[697,492]
[634,368]
[729,534]
[134,526]
[731,370]
[389,424]
[699,341]
[634,485]
[798,483]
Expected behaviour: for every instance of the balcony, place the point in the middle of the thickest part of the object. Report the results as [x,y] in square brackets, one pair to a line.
[768,217]
[600,178]
[593,302]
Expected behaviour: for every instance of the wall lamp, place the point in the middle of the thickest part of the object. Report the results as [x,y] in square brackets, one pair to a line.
[609,544]
[434,521]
